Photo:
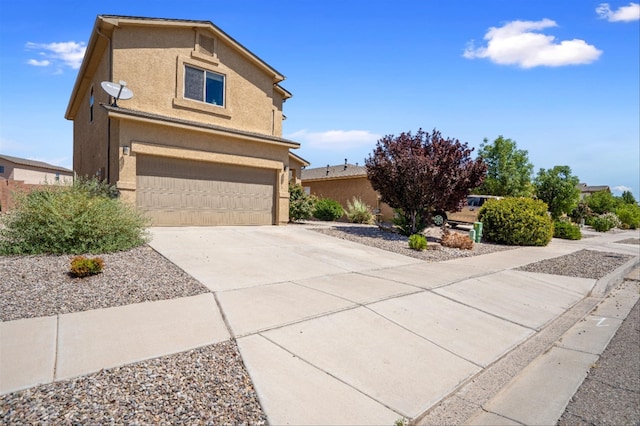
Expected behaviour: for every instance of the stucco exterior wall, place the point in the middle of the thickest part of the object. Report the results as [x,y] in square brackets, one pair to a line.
[152,59]
[91,136]
[344,189]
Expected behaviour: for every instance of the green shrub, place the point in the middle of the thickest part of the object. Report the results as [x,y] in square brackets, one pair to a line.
[83,266]
[82,218]
[629,215]
[359,212]
[403,225]
[581,212]
[516,221]
[566,230]
[300,203]
[328,209]
[417,242]
[605,222]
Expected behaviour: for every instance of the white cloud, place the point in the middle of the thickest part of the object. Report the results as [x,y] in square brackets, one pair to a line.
[519,43]
[36,63]
[67,53]
[623,14]
[335,139]
[622,188]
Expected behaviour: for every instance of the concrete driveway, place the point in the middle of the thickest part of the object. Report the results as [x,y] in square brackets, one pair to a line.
[333,332]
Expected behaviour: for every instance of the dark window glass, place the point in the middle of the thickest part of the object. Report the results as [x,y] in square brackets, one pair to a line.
[1,169]
[215,89]
[193,83]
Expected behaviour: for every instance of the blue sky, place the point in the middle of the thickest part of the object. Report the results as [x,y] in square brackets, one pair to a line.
[561,78]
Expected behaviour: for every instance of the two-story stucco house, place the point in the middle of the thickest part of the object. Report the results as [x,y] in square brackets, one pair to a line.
[200,142]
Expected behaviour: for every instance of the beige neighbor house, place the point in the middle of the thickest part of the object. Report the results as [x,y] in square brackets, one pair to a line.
[20,174]
[342,183]
[200,142]
[32,172]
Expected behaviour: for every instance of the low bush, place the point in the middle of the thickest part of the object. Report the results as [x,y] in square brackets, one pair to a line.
[403,225]
[516,221]
[605,222]
[328,210]
[629,215]
[417,242]
[359,212]
[83,266]
[80,218]
[566,230]
[300,203]
[456,240]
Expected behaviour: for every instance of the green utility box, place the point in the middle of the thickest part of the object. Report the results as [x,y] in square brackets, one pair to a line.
[477,226]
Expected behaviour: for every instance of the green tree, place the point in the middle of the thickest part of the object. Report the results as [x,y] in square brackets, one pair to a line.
[423,172]
[602,202]
[508,169]
[558,188]
[628,198]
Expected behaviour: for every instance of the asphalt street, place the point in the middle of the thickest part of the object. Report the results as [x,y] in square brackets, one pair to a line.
[610,394]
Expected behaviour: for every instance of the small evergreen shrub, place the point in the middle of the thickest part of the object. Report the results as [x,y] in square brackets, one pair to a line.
[403,225]
[328,210]
[359,212]
[605,222]
[418,242]
[566,230]
[456,240]
[300,203]
[83,266]
[516,221]
[81,218]
[629,215]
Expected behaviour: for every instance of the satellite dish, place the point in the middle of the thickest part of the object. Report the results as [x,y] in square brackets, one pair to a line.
[117,91]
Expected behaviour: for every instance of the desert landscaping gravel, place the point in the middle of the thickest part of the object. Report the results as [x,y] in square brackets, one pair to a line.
[37,286]
[208,385]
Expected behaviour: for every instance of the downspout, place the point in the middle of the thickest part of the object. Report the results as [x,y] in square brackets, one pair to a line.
[108,173]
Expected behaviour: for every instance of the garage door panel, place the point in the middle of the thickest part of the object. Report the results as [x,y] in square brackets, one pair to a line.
[180,192]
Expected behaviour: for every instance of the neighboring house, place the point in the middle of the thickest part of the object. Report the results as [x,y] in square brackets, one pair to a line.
[31,171]
[588,190]
[20,174]
[343,183]
[200,142]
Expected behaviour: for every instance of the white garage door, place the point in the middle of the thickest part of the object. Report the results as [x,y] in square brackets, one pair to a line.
[175,192]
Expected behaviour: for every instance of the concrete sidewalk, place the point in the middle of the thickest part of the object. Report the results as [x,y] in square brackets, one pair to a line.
[331,332]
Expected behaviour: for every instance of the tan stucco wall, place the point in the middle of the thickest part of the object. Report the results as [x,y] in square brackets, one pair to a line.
[343,190]
[151,61]
[90,137]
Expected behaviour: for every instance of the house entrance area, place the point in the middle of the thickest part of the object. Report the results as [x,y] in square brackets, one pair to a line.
[178,192]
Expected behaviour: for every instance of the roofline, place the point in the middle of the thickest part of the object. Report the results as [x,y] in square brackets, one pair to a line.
[129,114]
[333,178]
[304,162]
[30,163]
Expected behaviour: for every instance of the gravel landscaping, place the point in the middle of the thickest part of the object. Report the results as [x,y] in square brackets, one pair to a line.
[207,385]
[37,286]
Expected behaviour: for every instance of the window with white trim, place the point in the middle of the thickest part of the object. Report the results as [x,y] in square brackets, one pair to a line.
[204,86]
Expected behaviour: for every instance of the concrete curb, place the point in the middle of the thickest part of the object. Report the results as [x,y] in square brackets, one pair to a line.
[605,284]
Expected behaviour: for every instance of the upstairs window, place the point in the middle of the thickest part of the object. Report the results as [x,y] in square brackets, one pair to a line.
[1,169]
[204,86]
